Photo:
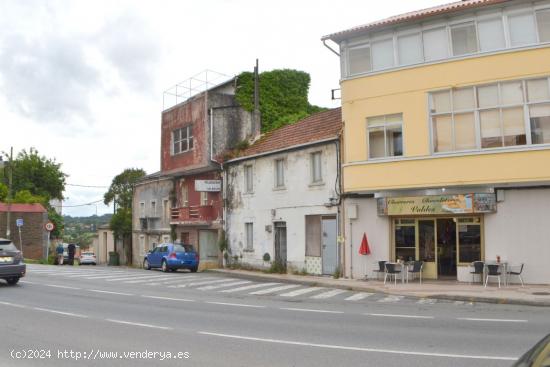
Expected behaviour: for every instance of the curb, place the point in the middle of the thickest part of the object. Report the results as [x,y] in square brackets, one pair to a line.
[313,283]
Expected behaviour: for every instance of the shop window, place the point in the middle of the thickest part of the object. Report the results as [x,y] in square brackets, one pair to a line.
[491,34]
[522,29]
[409,48]
[405,242]
[464,39]
[543,24]
[359,59]
[385,137]
[469,242]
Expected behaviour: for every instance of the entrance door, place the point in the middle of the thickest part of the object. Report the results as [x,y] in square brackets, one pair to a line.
[446,246]
[280,242]
[208,247]
[329,250]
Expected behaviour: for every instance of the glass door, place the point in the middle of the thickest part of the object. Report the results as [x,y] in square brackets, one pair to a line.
[446,247]
[426,246]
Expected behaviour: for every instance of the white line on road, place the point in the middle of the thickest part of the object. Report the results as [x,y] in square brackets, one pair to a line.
[358,296]
[389,299]
[235,304]
[328,294]
[169,299]
[360,349]
[83,275]
[105,276]
[395,315]
[217,286]
[308,310]
[166,277]
[492,320]
[12,304]
[299,292]
[133,277]
[205,282]
[109,292]
[427,301]
[60,286]
[139,324]
[273,290]
[247,287]
[60,312]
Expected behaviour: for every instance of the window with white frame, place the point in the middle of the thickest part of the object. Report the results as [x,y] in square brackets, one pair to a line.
[182,139]
[436,44]
[382,54]
[279,173]
[153,208]
[249,228]
[503,114]
[491,34]
[316,160]
[464,39]
[385,137]
[543,25]
[142,249]
[522,29]
[142,210]
[204,198]
[248,179]
[409,48]
[359,59]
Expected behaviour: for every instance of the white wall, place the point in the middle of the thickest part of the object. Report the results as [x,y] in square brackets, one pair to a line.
[267,205]
[378,235]
[519,232]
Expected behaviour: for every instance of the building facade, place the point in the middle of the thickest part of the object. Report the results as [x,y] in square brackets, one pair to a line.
[34,237]
[103,243]
[282,197]
[447,137]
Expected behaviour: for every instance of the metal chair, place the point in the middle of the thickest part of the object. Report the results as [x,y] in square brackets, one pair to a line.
[516,273]
[391,270]
[417,269]
[493,270]
[478,270]
[381,268]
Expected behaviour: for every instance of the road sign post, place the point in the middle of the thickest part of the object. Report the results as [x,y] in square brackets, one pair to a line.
[19,223]
[48,227]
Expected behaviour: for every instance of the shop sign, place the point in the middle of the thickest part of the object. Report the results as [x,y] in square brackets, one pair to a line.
[435,205]
[208,185]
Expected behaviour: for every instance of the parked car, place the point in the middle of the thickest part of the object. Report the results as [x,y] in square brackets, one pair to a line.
[12,266]
[537,356]
[172,256]
[87,258]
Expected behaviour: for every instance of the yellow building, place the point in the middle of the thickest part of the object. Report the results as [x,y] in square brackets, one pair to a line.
[446,144]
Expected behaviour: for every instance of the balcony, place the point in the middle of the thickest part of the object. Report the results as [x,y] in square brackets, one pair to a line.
[194,214]
[149,223]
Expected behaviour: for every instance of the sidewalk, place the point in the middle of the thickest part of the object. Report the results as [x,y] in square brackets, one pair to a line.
[532,295]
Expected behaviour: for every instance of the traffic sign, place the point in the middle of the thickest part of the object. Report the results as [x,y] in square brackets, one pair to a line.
[49,226]
[19,222]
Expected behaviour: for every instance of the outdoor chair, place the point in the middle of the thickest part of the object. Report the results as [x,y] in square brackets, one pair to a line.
[493,270]
[381,269]
[477,270]
[417,269]
[516,273]
[391,270]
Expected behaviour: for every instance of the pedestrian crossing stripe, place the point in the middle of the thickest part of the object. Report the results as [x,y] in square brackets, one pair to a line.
[299,292]
[358,296]
[389,299]
[328,294]
[248,287]
[217,286]
[276,289]
[427,301]
[194,284]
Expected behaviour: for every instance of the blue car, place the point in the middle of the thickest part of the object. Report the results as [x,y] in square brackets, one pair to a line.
[172,256]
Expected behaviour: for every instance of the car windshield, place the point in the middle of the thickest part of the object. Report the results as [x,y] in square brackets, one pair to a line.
[7,246]
[88,253]
[183,248]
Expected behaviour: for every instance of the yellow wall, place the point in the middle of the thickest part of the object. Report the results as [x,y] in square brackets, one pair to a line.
[406,91]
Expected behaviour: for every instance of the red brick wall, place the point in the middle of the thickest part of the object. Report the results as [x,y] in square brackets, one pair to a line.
[32,232]
[214,198]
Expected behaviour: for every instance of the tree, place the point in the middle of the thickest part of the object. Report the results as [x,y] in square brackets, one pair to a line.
[3,192]
[121,194]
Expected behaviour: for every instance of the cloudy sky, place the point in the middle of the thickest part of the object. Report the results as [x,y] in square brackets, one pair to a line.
[83,81]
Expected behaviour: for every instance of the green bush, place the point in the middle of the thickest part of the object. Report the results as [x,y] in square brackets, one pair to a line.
[337,272]
[277,267]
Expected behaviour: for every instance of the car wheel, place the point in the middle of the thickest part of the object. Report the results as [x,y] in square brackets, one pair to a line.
[194,269]
[164,266]
[12,281]
[146,265]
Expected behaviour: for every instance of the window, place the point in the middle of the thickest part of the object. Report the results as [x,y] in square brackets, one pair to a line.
[359,59]
[543,25]
[204,198]
[405,244]
[469,240]
[153,208]
[184,195]
[382,54]
[491,34]
[166,210]
[249,236]
[142,210]
[498,115]
[279,173]
[182,139]
[409,48]
[316,171]
[522,29]
[435,44]
[142,249]
[248,179]
[384,136]
[464,39]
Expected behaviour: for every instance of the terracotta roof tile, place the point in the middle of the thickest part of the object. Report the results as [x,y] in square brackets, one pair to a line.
[317,127]
[414,15]
[23,208]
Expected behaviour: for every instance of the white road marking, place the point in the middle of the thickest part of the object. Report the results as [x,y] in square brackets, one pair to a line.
[139,324]
[360,349]
[247,287]
[27,282]
[390,299]
[100,274]
[109,292]
[105,276]
[402,316]
[217,286]
[427,301]
[187,278]
[169,299]
[459,302]
[299,292]
[490,320]
[205,282]
[134,277]
[328,294]
[12,304]
[235,304]
[59,312]
[276,289]
[308,310]
[147,280]
[61,286]
[358,296]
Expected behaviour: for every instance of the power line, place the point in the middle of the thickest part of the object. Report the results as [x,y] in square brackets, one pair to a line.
[93,186]
[73,206]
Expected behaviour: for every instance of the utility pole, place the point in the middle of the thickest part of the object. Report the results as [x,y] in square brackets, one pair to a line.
[9,199]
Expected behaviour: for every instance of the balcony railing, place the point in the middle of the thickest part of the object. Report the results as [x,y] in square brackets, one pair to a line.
[206,213]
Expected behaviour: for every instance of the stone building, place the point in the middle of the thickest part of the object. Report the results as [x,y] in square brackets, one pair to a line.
[33,235]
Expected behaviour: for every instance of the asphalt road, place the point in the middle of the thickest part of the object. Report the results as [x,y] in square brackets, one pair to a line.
[98,316]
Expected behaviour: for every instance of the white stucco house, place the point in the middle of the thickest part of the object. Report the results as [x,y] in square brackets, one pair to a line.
[282,196]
